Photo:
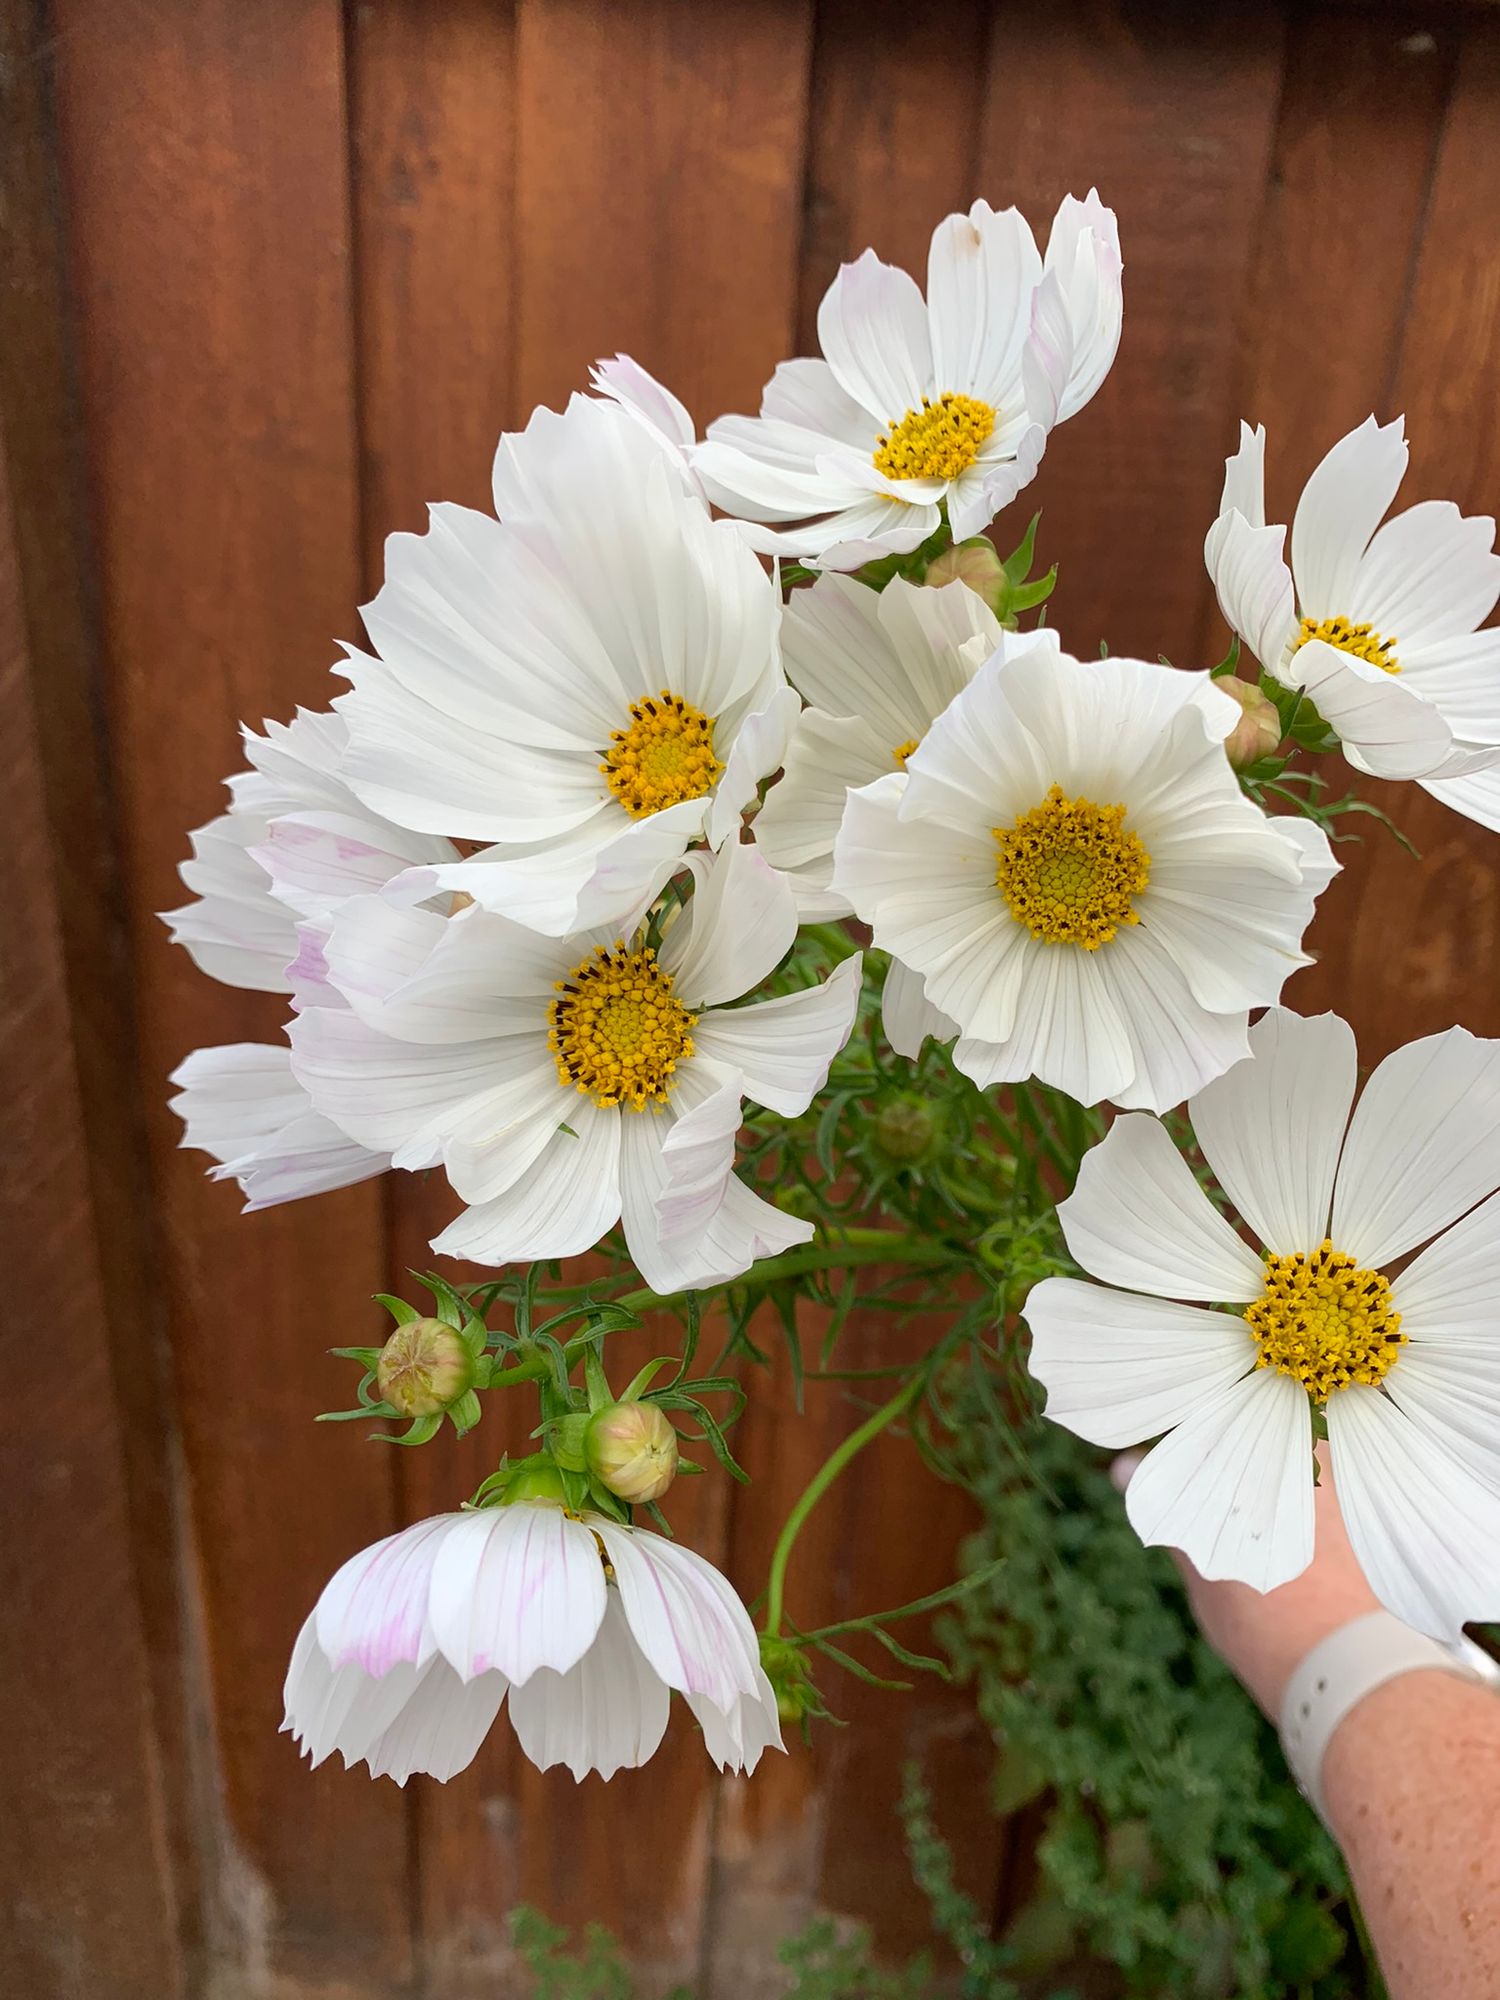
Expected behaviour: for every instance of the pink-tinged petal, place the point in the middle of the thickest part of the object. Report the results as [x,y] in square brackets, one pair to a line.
[737,1738]
[607,1714]
[516,1588]
[374,1611]
[685,1617]
[341,1709]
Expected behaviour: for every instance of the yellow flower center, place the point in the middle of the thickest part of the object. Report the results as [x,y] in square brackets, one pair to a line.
[1324,1321]
[1363,641]
[664,757]
[617,1029]
[1069,870]
[903,750]
[939,441]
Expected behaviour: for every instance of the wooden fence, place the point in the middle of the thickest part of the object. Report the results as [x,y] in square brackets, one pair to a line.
[276,274]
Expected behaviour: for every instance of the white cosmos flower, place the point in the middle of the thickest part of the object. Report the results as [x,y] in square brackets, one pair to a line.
[242,926]
[1405,1359]
[590,684]
[877,668]
[565,1084]
[417,1641]
[923,403]
[1070,867]
[1378,624]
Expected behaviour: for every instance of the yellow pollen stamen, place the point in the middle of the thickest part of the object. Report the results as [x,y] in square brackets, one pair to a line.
[618,1031]
[1362,641]
[664,757]
[903,750]
[1069,870]
[939,441]
[1325,1321]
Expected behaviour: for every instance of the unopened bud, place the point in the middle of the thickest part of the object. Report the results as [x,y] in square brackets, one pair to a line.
[786,1668]
[974,563]
[632,1449]
[905,1128]
[424,1368]
[1258,730]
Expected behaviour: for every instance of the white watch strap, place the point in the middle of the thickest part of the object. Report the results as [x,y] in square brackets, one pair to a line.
[1341,1670]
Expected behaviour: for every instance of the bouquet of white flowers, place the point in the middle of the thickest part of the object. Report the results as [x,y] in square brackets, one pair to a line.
[785,930]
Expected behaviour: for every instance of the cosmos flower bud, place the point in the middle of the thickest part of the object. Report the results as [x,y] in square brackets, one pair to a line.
[1258,730]
[424,1368]
[905,1128]
[632,1449]
[786,1668]
[974,563]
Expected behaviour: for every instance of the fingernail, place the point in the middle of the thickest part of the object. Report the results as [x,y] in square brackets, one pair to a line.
[1123,1469]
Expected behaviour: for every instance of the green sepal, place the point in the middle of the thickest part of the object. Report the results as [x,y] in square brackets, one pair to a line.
[351,1416]
[399,1310]
[451,1309]
[368,1356]
[1230,660]
[595,1381]
[565,1440]
[604,1502]
[1017,565]
[641,1381]
[465,1412]
[420,1431]
[1026,596]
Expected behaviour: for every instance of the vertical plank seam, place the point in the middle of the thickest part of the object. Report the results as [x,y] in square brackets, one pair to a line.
[358,413]
[1452,58]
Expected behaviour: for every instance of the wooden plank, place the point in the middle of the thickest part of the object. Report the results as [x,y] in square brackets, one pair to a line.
[204,171]
[86,1777]
[1376,192]
[1170,109]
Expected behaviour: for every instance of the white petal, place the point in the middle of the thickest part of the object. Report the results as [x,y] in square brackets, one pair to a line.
[1232,1487]
[316,861]
[1339,511]
[1272,1129]
[1119,1368]
[1423,1147]
[242,1105]
[567,1201]
[392,1097]
[652,404]
[739,924]
[1067,1029]
[782,1049]
[758,749]
[1428,575]
[516,1588]
[685,1617]
[1083,247]
[1454,1394]
[1476,797]
[603,874]
[1253,583]
[908,1016]
[1176,1044]
[1244,490]
[343,1709]
[806,393]
[872,328]
[736,1739]
[1386,728]
[1449,1296]
[697,1156]
[607,1714]
[982,269]
[235,930]
[795,829]
[1138,1219]
[440,1726]
[1426,1532]
[1461,678]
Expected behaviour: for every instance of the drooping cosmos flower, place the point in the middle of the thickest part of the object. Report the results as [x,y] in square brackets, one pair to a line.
[294,845]
[583,1625]
[566,1083]
[919,404]
[590,684]
[1070,867]
[1404,1363]
[1378,624]
[878,669]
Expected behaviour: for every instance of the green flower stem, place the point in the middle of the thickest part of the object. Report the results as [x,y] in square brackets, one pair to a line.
[819,1484]
[833,939]
[523,1371]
